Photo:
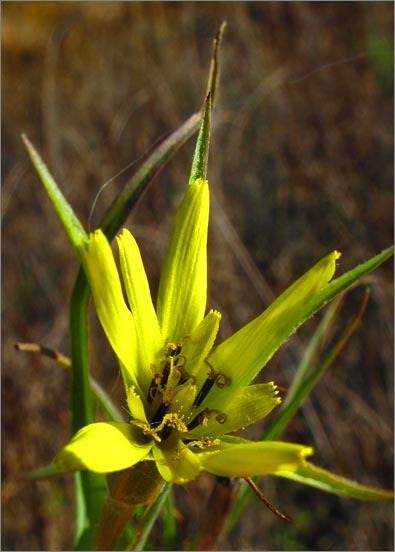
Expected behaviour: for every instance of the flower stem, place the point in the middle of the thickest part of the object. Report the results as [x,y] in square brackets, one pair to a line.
[128,489]
[114,517]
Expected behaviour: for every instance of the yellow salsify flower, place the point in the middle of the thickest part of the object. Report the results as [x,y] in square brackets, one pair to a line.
[184,397]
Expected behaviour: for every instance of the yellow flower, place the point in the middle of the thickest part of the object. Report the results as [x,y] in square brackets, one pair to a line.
[185,397]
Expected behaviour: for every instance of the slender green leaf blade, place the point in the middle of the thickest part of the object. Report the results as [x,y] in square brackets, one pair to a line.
[150,517]
[65,212]
[91,492]
[169,523]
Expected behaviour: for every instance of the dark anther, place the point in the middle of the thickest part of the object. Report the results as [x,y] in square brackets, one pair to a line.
[195,422]
[165,374]
[221,380]
[165,433]
[159,414]
[173,350]
[203,392]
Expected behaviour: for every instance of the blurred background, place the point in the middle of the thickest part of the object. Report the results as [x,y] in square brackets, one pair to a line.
[301,163]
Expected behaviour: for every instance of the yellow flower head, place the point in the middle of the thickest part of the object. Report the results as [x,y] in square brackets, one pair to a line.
[184,397]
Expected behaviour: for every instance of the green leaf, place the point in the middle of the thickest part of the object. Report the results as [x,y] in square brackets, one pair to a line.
[324,480]
[91,491]
[169,523]
[66,214]
[150,516]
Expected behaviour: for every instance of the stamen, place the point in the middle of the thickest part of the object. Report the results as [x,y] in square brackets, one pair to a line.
[203,417]
[154,385]
[203,443]
[165,386]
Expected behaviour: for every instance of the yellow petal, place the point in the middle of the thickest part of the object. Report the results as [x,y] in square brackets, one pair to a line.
[182,291]
[197,346]
[103,447]
[139,296]
[114,315]
[248,406]
[177,464]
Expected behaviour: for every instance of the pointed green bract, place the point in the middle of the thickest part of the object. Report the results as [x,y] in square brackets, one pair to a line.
[347,280]
[247,351]
[321,479]
[103,447]
[182,291]
[200,158]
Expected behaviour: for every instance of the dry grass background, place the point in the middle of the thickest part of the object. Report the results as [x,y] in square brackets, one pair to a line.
[301,163]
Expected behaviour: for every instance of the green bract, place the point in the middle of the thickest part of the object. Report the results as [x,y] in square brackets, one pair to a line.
[183,397]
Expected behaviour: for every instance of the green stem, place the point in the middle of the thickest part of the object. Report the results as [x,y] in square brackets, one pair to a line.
[90,487]
[83,404]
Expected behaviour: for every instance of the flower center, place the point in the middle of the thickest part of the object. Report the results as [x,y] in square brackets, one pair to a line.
[165,384]
[167,381]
